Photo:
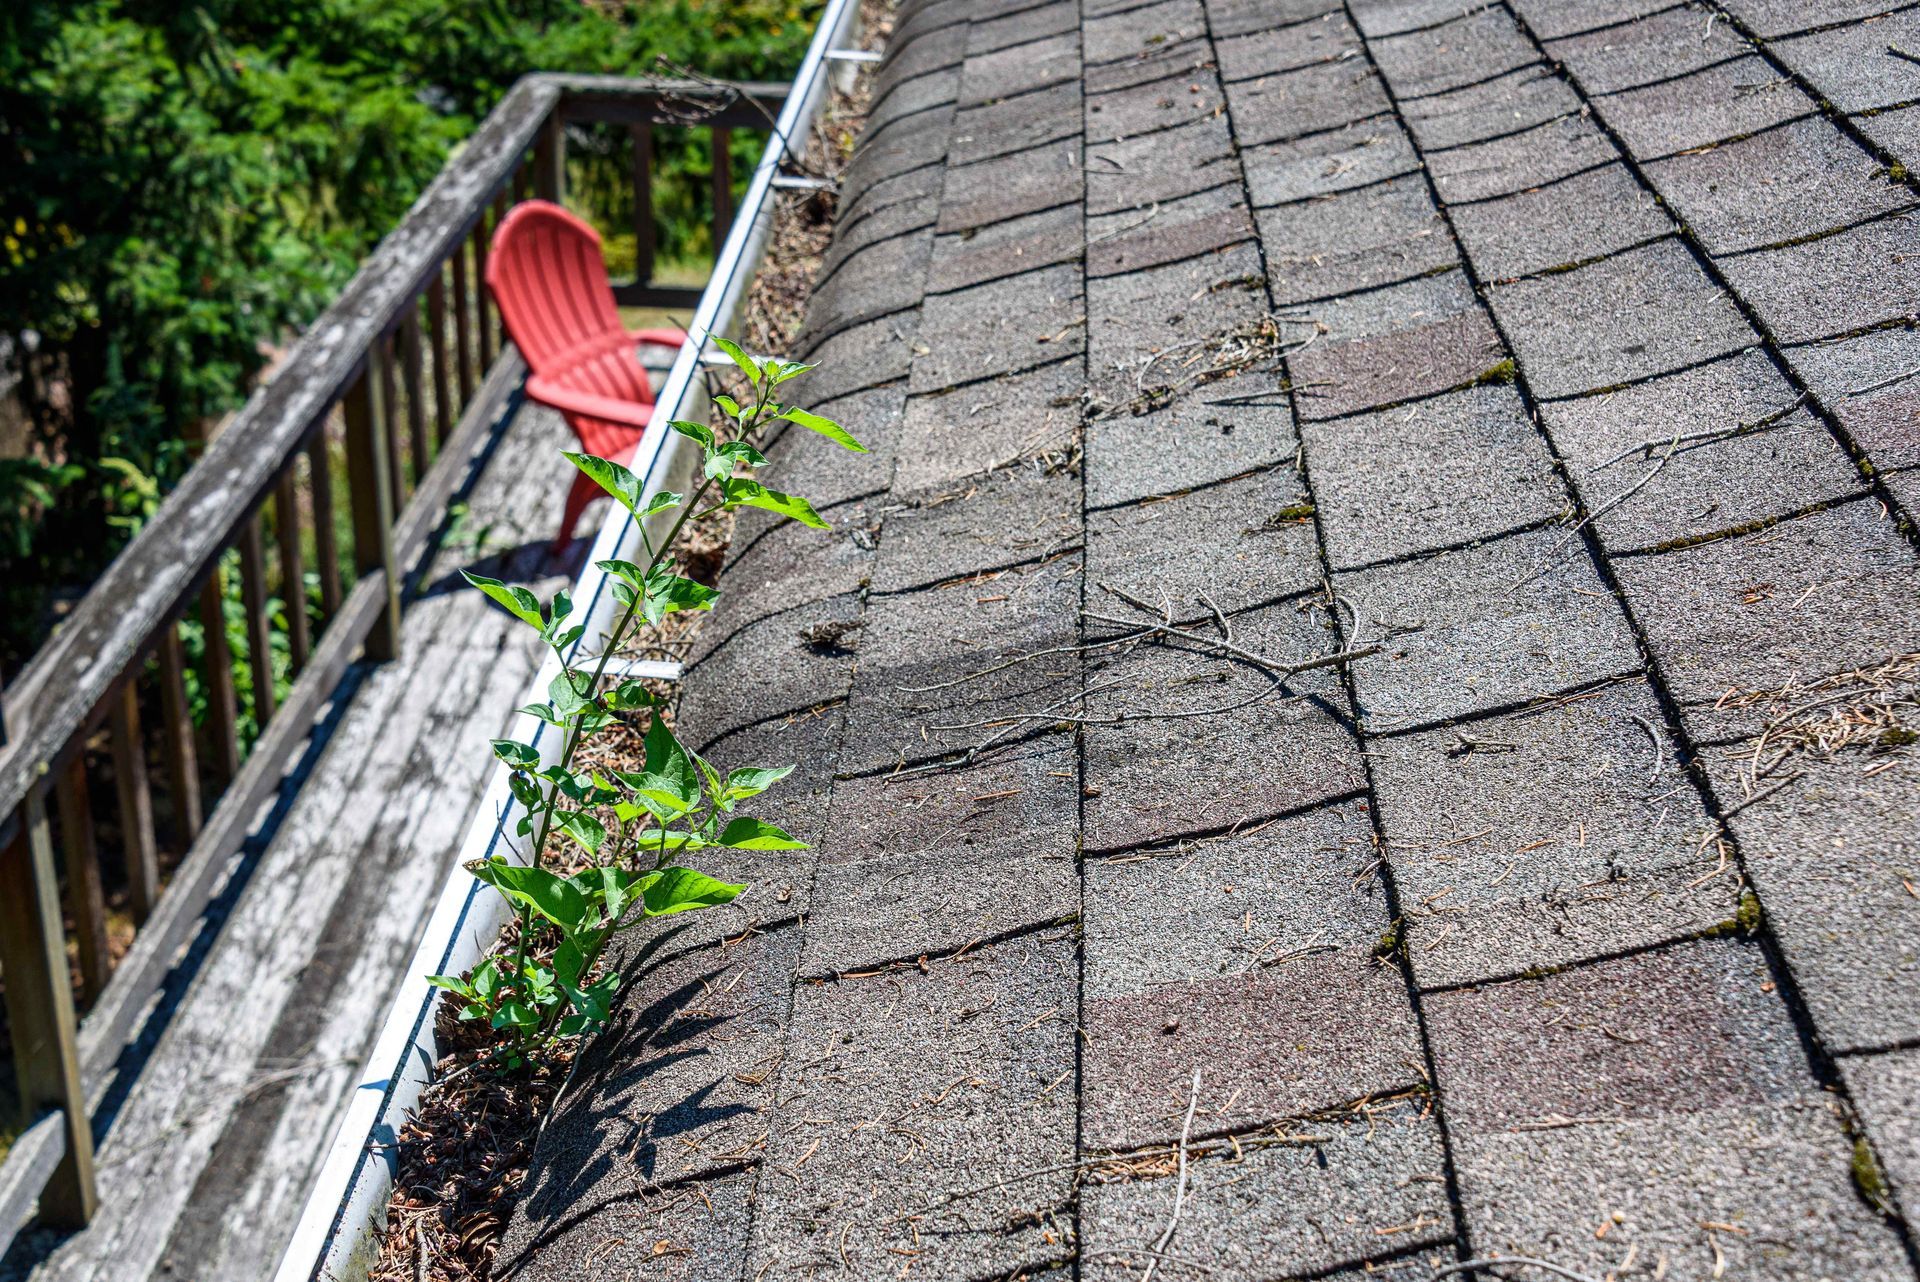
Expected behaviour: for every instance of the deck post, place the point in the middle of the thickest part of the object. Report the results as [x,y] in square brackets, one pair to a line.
[642,204]
[371,494]
[40,1014]
[722,186]
[550,159]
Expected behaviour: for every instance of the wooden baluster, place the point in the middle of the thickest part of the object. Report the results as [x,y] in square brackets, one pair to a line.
[217,681]
[136,804]
[372,498]
[293,574]
[80,856]
[176,738]
[254,600]
[550,159]
[722,187]
[643,230]
[444,412]
[481,324]
[463,321]
[413,379]
[522,183]
[396,472]
[498,324]
[40,1019]
[326,548]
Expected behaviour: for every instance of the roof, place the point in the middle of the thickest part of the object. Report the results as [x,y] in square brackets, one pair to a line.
[1555,363]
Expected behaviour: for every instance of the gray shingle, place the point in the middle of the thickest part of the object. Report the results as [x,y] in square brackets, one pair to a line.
[1866,382]
[1506,104]
[1153,106]
[1463,466]
[1531,158]
[950,436]
[1355,155]
[1167,231]
[1850,66]
[999,328]
[1883,1089]
[1644,312]
[1007,248]
[1725,101]
[1846,281]
[1206,435]
[1328,38]
[1394,344]
[1296,103]
[1354,240]
[1591,214]
[1487,627]
[1659,46]
[1551,18]
[1454,54]
[1008,186]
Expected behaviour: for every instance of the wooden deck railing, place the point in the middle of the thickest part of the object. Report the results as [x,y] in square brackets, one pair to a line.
[400,380]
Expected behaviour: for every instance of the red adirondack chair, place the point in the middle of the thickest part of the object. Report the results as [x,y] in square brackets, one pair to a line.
[550,283]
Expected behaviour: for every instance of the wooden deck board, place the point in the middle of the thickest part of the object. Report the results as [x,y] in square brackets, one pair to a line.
[206,1159]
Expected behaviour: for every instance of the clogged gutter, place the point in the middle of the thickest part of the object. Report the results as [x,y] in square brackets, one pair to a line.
[464,1154]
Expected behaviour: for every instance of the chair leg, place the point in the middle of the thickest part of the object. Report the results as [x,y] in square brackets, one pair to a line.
[585,490]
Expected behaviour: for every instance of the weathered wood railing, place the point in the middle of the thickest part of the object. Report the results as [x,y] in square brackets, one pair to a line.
[400,381]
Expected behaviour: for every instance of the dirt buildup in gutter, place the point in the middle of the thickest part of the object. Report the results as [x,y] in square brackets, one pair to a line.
[465,1152]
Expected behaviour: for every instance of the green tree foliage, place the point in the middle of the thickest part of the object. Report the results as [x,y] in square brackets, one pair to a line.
[182,185]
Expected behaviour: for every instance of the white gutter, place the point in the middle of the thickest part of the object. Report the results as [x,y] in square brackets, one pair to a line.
[337,1238]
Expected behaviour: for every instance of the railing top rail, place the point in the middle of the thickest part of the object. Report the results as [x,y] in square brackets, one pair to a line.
[82,664]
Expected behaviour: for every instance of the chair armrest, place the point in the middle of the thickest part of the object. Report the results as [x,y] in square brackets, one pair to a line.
[570,401]
[658,337]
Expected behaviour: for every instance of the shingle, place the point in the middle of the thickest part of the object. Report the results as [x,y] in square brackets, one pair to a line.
[1831,855]
[1126,173]
[872,225]
[1143,30]
[1644,312]
[1008,186]
[1725,101]
[1536,156]
[1153,779]
[1464,51]
[1842,282]
[1298,882]
[1487,627]
[999,328]
[1152,106]
[1659,46]
[1504,105]
[1551,18]
[1781,185]
[1897,131]
[1355,240]
[1021,69]
[1307,1036]
[960,1055]
[916,696]
[1263,52]
[1459,467]
[1241,543]
[1828,592]
[1016,124]
[1296,103]
[1599,212]
[1020,513]
[1568,838]
[1133,316]
[1771,18]
[807,465]
[1188,57]
[885,278]
[1205,435]
[1390,17]
[767,669]
[794,565]
[1388,345]
[1883,1088]
[1024,28]
[947,437]
[1167,231]
[1850,66]
[926,864]
[1703,486]
[1622,1106]
[859,359]
[1291,1204]
[1229,18]
[1355,155]
[1867,383]
[704,1227]
[1007,248]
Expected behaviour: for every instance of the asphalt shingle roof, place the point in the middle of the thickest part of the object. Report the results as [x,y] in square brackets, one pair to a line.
[1564,352]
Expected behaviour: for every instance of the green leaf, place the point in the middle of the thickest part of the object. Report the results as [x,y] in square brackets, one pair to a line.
[748,366]
[676,593]
[694,431]
[728,406]
[742,492]
[755,834]
[680,890]
[584,828]
[519,755]
[661,501]
[553,897]
[611,477]
[567,691]
[515,1015]
[786,370]
[520,603]
[667,759]
[453,984]
[751,781]
[825,426]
